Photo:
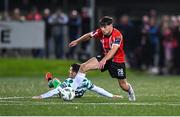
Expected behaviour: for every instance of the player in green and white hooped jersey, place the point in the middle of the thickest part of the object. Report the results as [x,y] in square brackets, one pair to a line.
[80,85]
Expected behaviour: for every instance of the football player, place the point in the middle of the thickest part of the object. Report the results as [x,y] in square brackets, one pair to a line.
[80,85]
[113,56]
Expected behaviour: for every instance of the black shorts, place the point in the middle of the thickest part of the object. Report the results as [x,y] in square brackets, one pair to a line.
[116,70]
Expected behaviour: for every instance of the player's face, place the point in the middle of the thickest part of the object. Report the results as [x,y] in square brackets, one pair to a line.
[72,74]
[106,30]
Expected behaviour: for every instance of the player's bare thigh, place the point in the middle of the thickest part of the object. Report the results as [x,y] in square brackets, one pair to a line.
[91,64]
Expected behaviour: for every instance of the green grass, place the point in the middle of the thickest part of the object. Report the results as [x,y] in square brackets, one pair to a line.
[156,95]
[29,67]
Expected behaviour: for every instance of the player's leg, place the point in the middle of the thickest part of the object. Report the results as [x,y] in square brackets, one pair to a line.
[123,84]
[118,70]
[91,64]
[128,88]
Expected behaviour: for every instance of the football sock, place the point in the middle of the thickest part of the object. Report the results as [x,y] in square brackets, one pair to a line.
[78,80]
[130,88]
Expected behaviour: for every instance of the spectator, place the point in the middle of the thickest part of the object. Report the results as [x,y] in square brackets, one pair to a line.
[145,43]
[127,29]
[34,15]
[17,16]
[46,16]
[154,41]
[169,46]
[57,21]
[85,26]
[74,31]
[175,27]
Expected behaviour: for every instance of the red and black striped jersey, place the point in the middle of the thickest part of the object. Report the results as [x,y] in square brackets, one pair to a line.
[107,42]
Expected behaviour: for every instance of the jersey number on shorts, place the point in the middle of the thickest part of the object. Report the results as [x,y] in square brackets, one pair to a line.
[120,72]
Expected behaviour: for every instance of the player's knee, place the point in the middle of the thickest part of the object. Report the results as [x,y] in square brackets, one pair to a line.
[83,67]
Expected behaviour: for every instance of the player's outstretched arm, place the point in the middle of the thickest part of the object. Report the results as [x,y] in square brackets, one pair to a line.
[36,97]
[85,37]
[109,55]
[47,95]
[105,93]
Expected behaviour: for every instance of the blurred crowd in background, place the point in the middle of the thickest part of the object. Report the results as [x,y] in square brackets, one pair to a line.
[152,42]
[60,29]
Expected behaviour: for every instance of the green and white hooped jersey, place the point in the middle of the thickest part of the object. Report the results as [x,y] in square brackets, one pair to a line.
[86,85]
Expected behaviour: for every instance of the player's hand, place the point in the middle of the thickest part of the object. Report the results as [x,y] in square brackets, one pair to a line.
[73,43]
[117,97]
[101,64]
[36,97]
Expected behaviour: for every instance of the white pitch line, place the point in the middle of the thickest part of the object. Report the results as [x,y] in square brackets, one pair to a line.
[121,103]
[5,102]
[7,98]
[10,101]
[15,97]
[16,104]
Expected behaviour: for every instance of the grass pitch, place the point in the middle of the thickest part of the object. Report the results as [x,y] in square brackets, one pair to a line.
[156,95]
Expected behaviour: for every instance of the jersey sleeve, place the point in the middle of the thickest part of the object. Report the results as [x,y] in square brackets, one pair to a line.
[117,39]
[97,34]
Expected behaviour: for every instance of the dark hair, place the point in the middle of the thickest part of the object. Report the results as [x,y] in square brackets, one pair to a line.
[75,67]
[106,20]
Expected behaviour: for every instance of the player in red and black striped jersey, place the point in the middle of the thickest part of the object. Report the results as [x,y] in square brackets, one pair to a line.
[113,57]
